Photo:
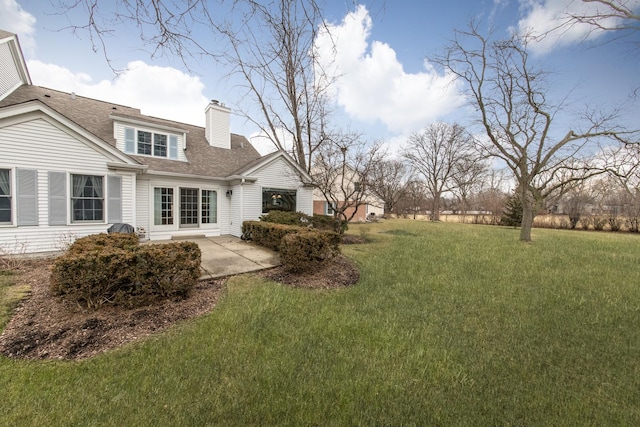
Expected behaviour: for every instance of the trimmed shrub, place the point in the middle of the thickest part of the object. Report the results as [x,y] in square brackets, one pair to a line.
[287,218]
[307,250]
[130,276]
[324,222]
[267,234]
[102,241]
[320,222]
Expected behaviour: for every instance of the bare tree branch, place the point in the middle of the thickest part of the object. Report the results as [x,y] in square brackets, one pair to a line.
[510,97]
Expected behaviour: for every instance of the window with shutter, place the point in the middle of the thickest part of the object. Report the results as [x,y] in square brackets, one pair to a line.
[87,198]
[5,196]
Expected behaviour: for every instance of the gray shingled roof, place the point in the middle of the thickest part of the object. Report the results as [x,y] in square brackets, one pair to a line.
[94,116]
[5,34]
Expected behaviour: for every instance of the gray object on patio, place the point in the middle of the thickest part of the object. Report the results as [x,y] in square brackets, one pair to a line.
[120,228]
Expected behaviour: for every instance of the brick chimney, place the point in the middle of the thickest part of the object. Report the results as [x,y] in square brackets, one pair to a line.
[217,125]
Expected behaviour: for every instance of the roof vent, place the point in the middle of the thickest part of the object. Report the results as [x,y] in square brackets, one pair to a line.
[73,95]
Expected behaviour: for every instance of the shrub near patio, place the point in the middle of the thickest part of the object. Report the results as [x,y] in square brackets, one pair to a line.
[113,269]
[304,242]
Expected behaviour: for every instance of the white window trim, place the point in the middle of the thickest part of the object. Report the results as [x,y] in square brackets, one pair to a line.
[283,189]
[329,208]
[170,137]
[213,224]
[12,197]
[73,222]
[176,207]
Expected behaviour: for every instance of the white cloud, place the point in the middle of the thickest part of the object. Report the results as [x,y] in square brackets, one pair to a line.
[263,143]
[18,21]
[371,84]
[158,91]
[546,20]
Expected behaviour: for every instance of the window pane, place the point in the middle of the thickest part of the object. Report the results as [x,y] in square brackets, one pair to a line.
[163,206]
[5,209]
[188,207]
[5,196]
[87,202]
[209,207]
[159,145]
[144,142]
[278,199]
[5,183]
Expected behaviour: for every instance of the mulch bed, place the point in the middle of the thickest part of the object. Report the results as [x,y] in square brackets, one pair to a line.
[46,327]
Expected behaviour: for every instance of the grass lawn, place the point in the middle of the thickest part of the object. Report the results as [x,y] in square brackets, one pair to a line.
[451,324]
[10,295]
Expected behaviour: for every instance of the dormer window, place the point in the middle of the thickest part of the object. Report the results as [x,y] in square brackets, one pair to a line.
[146,143]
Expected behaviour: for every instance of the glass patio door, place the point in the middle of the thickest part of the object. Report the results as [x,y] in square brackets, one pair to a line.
[188,208]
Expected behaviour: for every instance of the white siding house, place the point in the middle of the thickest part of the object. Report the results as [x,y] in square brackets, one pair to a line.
[72,166]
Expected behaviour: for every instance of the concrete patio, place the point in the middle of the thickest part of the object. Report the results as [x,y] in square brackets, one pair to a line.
[228,255]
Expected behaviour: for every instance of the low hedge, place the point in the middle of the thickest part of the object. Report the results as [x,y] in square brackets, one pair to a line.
[103,241]
[100,272]
[320,222]
[267,234]
[301,248]
[306,250]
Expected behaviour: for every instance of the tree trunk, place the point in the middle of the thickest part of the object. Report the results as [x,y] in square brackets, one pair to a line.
[527,220]
[435,208]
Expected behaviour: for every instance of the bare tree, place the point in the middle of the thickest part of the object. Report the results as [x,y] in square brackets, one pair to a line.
[341,173]
[414,199]
[575,201]
[599,15]
[273,49]
[625,191]
[434,154]
[468,177]
[388,182]
[270,44]
[510,97]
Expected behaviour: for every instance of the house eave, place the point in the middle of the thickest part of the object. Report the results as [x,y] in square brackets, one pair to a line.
[240,179]
[144,123]
[16,52]
[183,175]
[127,167]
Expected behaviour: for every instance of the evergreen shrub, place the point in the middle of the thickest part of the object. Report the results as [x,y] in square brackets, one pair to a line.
[307,250]
[108,270]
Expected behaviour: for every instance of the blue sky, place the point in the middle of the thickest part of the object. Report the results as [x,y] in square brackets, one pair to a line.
[388,88]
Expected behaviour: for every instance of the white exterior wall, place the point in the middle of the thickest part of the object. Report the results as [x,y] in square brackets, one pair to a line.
[277,174]
[217,126]
[145,214]
[9,76]
[39,145]
[236,209]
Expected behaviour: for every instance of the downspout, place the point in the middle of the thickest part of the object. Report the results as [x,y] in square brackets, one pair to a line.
[241,205]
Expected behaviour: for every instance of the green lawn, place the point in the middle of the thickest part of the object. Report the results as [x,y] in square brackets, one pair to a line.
[451,324]
[10,295]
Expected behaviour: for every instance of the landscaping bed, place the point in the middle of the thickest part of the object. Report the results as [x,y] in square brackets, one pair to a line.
[46,327]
